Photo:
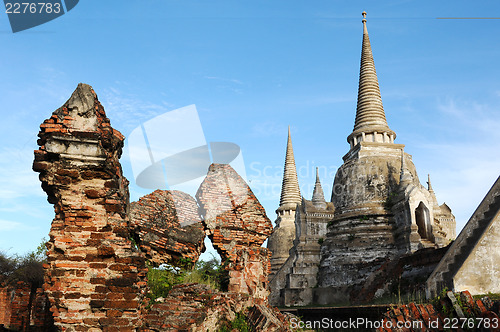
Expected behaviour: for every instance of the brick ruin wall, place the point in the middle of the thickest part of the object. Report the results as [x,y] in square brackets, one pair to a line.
[233,217]
[237,225]
[94,278]
[168,227]
[24,309]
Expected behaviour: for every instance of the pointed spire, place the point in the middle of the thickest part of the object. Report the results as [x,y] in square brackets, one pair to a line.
[370,115]
[433,194]
[429,185]
[290,192]
[318,198]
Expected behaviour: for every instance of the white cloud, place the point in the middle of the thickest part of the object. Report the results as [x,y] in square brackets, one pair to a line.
[467,117]
[7,225]
[269,129]
[17,179]
[230,80]
[465,162]
[227,83]
[126,113]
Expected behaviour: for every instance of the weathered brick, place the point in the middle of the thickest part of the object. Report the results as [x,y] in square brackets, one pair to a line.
[233,216]
[86,239]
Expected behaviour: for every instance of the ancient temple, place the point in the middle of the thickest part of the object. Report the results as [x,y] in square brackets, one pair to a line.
[281,240]
[378,212]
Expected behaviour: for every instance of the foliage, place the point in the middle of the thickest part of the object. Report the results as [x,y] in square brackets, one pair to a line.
[436,301]
[320,241]
[492,296]
[162,279]
[27,268]
[239,323]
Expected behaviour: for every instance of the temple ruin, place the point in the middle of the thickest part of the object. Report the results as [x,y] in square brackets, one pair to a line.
[381,226]
[378,212]
[95,277]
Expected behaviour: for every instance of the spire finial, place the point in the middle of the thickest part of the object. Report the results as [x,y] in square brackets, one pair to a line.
[370,116]
[429,186]
[318,198]
[290,191]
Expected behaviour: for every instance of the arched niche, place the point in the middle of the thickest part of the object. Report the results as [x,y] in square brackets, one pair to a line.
[422,218]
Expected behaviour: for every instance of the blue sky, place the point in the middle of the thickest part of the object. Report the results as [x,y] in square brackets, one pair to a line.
[252,68]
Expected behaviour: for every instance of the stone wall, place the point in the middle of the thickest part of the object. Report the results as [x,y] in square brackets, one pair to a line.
[480,273]
[473,260]
[94,278]
[354,249]
[404,276]
[294,284]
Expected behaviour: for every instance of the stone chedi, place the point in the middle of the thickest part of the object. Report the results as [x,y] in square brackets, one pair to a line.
[281,240]
[93,276]
[168,227]
[297,277]
[380,210]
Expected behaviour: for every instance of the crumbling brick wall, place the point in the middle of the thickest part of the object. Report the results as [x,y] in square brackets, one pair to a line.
[197,308]
[168,227]
[24,309]
[248,274]
[233,217]
[237,224]
[94,278]
[4,306]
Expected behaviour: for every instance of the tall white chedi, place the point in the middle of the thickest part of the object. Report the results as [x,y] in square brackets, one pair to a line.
[283,235]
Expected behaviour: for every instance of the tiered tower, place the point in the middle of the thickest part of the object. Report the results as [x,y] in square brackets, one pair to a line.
[281,241]
[299,274]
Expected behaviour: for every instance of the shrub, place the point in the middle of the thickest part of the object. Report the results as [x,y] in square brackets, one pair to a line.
[27,268]
[239,323]
[162,279]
